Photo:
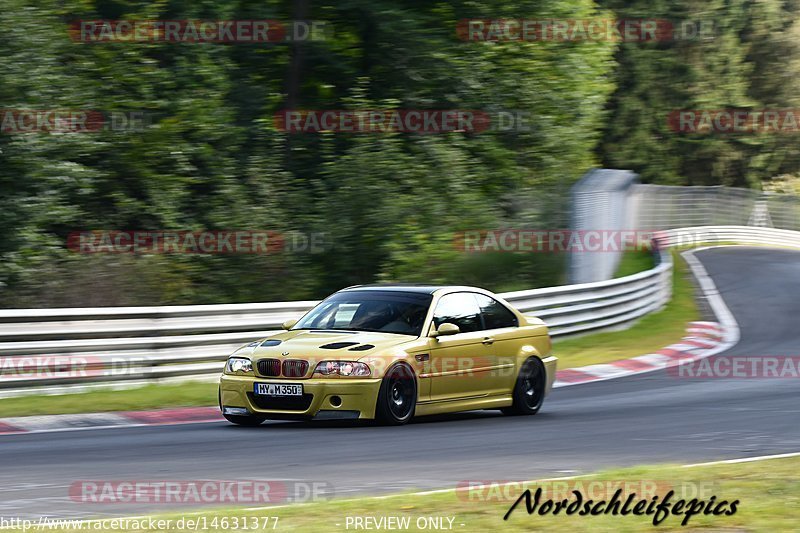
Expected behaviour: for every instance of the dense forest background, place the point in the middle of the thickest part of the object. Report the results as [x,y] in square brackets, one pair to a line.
[389,203]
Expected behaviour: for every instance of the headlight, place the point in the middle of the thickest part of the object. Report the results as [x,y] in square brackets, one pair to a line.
[343,368]
[237,365]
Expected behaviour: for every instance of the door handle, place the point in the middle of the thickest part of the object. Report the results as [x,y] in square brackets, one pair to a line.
[487,340]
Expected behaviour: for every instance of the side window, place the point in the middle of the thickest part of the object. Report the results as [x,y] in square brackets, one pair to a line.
[495,315]
[459,308]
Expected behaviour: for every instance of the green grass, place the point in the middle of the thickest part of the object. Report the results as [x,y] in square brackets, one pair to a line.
[185,394]
[651,333]
[635,261]
[768,494]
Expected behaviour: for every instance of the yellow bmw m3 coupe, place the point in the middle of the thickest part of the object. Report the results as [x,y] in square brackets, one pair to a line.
[392,352]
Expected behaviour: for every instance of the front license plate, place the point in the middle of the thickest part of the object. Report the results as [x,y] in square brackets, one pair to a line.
[278,389]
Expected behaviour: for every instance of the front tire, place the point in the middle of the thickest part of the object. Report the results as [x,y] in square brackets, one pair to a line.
[397,397]
[529,389]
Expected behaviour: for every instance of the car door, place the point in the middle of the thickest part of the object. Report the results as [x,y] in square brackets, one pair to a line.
[501,326]
[461,365]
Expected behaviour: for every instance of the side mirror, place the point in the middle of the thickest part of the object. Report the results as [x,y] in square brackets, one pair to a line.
[289,324]
[444,329]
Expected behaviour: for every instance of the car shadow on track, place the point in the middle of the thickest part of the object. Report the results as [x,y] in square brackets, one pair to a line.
[467,416]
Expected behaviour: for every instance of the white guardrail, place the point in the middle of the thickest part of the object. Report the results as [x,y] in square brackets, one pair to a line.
[53,351]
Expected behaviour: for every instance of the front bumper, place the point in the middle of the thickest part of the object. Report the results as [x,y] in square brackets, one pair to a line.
[357,398]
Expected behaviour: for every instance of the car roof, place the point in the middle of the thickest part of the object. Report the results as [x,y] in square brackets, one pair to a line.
[409,287]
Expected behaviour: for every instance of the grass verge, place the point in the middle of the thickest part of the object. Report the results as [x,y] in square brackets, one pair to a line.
[651,333]
[768,494]
[186,394]
[635,261]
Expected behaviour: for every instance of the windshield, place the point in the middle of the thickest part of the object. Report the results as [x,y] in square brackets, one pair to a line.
[370,310]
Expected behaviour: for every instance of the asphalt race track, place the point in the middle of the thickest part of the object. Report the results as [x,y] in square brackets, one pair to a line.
[649,418]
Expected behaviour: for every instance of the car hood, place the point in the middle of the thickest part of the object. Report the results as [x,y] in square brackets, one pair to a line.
[324,344]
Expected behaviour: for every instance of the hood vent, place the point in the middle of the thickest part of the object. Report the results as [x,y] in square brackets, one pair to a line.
[362,348]
[271,342]
[337,345]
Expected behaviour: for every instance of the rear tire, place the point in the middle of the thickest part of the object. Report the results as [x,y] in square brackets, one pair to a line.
[397,397]
[529,389]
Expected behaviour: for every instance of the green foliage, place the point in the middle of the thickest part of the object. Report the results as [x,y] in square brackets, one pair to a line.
[389,204]
[213,159]
[747,62]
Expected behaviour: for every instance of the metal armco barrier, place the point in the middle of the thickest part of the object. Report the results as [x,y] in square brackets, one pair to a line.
[59,349]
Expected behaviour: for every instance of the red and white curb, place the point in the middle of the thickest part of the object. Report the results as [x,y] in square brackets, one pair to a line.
[701,338]
[45,423]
